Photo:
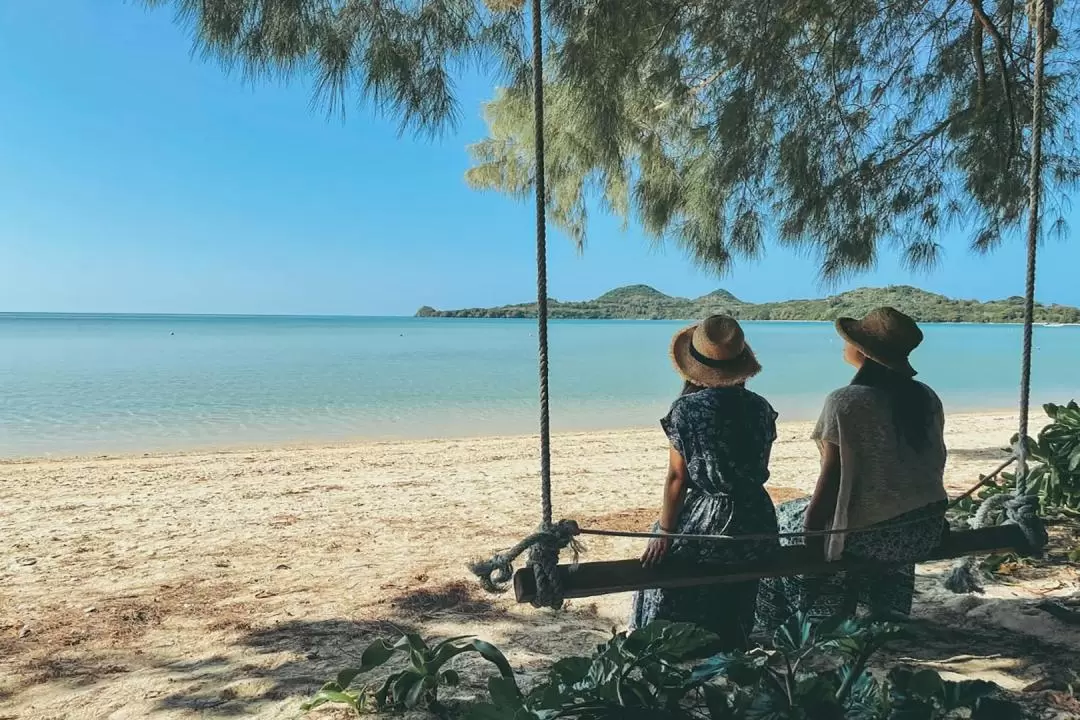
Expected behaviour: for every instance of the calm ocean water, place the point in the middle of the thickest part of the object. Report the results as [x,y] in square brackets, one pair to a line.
[101,383]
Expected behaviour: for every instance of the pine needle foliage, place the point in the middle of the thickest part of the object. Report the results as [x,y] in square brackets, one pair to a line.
[840,127]
[399,56]
[835,126]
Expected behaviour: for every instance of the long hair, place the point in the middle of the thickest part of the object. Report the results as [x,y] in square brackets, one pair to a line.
[911,405]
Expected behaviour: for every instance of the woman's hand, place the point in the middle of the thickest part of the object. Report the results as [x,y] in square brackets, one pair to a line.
[657,550]
[822,507]
[674,495]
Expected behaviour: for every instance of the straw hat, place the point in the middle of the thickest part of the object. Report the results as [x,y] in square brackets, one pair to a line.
[886,336]
[714,353]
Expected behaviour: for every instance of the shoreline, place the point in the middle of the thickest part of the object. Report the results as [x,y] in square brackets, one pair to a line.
[358,442]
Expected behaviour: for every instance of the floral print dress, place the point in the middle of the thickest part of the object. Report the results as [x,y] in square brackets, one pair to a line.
[886,592]
[725,435]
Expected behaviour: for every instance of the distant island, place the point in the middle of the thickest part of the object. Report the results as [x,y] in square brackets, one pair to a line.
[641,302]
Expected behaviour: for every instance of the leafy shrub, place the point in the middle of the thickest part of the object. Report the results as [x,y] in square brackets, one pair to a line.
[1053,473]
[1056,478]
[812,673]
[417,685]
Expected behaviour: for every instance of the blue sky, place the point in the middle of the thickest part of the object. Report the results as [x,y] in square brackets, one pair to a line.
[137,178]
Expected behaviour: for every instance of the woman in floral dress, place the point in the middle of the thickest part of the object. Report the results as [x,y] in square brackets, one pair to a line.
[721,435]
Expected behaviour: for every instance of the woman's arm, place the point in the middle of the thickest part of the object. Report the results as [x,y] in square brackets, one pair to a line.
[674,496]
[822,506]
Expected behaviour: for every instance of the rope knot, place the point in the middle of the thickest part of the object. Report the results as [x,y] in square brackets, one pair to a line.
[1023,510]
[544,546]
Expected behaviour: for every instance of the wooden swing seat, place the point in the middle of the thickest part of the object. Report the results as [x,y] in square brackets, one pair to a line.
[615,576]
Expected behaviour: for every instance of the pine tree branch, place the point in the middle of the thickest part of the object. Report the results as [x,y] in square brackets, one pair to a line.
[1006,86]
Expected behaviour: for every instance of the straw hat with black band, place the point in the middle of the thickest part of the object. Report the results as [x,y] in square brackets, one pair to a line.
[714,353]
[886,336]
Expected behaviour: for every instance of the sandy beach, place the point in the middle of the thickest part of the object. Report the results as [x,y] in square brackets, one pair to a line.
[217,584]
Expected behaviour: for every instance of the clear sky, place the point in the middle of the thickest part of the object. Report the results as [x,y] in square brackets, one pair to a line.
[137,178]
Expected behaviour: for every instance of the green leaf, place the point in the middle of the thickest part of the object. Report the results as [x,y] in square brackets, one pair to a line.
[346,676]
[505,693]
[444,654]
[374,655]
[926,684]
[417,691]
[450,678]
[332,696]
[407,688]
[571,670]
[494,656]
[795,634]
[414,642]
[450,641]
[675,639]
[739,668]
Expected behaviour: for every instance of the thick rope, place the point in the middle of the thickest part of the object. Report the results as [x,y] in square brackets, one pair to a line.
[544,554]
[494,574]
[1035,187]
[541,260]
[1022,508]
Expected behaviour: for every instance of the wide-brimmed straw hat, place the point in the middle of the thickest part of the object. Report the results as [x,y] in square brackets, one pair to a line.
[714,353]
[886,336]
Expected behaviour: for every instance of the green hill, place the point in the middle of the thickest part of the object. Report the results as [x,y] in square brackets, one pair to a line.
[641,302]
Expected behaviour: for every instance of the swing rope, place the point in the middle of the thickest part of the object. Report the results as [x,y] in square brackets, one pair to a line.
[544,551]
[544,545]
[1023,507]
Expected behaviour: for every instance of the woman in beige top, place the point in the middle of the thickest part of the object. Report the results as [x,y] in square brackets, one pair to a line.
[882,466]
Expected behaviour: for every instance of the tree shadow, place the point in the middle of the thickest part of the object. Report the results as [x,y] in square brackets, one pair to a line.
[1011,641]
[294,659]
[315,650]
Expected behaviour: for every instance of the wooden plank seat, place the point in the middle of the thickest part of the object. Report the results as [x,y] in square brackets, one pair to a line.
[615,576]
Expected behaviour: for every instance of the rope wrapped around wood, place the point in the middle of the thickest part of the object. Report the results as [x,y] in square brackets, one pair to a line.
[544,546]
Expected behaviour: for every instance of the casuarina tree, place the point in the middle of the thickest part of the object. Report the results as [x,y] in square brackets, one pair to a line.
[838,126]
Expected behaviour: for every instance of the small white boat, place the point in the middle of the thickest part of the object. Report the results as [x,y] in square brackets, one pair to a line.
[1053,324]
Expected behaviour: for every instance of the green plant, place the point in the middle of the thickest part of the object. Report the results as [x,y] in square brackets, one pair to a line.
[417,685]
[813,672]
[632,675]
[1053,473]
[1056,477]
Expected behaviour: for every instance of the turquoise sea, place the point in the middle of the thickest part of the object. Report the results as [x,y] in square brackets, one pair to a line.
[73,384]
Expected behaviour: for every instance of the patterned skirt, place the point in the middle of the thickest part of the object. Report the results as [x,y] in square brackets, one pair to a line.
[727,610]
[887,591]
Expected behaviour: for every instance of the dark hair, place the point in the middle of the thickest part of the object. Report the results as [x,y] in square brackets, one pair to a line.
[689,388]
[911,405]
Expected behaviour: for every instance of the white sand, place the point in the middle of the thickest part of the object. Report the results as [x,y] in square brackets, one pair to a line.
[219,583]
